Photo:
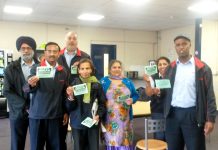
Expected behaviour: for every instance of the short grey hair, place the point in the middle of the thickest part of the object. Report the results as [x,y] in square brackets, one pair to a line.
[70,33]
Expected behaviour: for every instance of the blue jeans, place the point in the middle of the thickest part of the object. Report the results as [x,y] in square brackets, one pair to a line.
[158,135]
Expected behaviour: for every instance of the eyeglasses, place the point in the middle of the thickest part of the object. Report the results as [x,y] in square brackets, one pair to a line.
[52,51]
[25,48]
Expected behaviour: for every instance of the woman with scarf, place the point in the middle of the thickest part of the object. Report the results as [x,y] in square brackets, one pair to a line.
[86,105]
[121,94]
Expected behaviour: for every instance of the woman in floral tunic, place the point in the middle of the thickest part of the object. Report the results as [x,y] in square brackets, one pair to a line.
[121,94]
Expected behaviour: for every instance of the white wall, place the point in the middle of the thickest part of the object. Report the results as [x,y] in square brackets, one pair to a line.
[209,48]
[166,43]
[133,47]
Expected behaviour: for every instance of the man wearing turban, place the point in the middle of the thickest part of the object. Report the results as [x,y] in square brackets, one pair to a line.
[16,74]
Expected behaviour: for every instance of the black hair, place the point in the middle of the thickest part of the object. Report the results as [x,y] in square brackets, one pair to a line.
[163,57]
[112,62]
[52,43]
[84,60]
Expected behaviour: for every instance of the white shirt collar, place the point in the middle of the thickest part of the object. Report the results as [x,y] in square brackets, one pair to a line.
[47,64]
[73,54]
[159,75]
[24,63]
[191,60]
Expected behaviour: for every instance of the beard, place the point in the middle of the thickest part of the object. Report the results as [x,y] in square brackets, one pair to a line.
[71,47]
[27,57]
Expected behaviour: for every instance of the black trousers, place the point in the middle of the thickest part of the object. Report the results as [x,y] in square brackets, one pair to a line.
[182,129]
[19,129]
[45,131]
[63,135]
[86,139]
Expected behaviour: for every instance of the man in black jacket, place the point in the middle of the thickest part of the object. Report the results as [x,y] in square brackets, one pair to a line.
[47,105]
[190,105]
[71,55]
[15,77]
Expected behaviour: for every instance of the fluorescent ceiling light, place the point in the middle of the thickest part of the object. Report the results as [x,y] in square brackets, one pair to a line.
[18,10]
[134,2]
[204,7]
[90,17]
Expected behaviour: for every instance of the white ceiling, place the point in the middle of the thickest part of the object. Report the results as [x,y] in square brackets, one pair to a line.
[154,16]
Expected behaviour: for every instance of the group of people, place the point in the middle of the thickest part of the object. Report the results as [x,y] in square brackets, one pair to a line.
[45,104]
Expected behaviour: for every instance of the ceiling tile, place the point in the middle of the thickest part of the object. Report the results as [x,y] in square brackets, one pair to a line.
[154,15]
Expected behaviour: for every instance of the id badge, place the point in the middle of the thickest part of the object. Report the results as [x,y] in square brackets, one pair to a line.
[150,70]
[44,72]
[123,98]
[80,89]
[73,69]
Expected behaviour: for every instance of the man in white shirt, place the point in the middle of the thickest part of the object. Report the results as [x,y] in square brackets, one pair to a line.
[190,105]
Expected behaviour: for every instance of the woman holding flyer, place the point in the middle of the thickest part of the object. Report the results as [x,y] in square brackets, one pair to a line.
[121,94]
[156,95]
[86,105]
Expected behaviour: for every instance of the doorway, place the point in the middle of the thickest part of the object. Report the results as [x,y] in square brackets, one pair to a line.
[101,55]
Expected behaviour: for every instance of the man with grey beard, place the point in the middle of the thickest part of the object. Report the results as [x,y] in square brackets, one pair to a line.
[16,75]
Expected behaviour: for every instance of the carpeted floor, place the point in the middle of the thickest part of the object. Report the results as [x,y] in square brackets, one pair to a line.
[212,142]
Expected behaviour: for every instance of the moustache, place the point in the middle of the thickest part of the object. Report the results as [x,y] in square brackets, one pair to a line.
[27,57]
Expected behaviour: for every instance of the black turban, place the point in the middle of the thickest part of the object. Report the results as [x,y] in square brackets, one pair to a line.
[27,40]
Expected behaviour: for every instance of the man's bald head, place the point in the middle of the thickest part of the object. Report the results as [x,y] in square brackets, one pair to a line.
[71,41]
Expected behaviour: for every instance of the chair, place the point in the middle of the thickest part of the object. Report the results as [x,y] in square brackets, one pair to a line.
[152,126]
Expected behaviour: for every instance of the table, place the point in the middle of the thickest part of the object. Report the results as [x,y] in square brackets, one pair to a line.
[141,109]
